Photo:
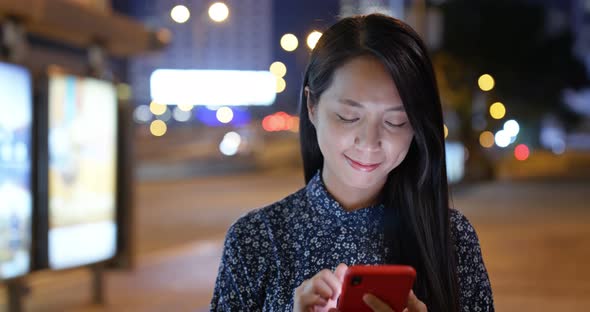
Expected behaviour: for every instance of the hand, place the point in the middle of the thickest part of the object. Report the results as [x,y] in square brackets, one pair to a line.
[320,292]
[414,304]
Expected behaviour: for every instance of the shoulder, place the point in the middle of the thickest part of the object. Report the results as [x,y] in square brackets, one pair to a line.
[462,231]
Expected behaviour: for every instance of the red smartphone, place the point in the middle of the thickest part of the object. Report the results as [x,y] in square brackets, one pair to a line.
[390,283]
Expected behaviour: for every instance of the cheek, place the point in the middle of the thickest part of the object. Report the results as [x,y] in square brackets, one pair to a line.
[398,147]
[333,139]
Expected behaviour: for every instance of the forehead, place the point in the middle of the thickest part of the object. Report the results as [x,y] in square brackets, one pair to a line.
[364,79]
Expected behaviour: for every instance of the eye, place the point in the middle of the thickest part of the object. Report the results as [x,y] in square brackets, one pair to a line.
[395,125]
[346,120]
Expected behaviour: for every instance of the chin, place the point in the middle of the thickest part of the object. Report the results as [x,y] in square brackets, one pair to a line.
[363,180]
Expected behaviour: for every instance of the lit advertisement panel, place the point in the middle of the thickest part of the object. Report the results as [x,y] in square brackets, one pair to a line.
[82,173]
[16,110]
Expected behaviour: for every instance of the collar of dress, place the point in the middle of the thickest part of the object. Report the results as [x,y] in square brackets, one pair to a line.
[322,203]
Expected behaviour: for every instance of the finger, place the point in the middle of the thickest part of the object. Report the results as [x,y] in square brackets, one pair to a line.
[317,300]
[412,299]
[320,287]
[376,304]
[414,304]
[340,271]
[311,299]
[307,296]
[332,281]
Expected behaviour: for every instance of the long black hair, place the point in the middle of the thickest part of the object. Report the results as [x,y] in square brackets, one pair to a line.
[416,192]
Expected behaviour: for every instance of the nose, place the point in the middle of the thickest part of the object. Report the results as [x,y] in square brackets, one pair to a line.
[369,138]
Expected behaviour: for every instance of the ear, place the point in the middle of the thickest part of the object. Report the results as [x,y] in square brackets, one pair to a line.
[311,107]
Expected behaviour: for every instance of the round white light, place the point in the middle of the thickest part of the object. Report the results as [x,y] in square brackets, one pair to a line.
[512,127]
[218,12]
[180,14]
[502,138]
[225,114]
[230,143]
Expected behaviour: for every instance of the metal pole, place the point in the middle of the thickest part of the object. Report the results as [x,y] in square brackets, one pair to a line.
[97,283]
[16,290]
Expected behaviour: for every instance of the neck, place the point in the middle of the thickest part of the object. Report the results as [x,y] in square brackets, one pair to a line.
[350,198]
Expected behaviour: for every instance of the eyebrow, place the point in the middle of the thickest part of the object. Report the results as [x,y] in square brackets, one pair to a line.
[354,103]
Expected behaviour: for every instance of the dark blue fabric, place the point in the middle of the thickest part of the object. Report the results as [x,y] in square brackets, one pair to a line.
[270,251]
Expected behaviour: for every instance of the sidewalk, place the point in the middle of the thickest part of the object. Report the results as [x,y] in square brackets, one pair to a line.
[163,281]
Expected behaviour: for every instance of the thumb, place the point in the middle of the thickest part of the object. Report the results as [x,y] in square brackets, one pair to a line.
[340,271]
[412,299]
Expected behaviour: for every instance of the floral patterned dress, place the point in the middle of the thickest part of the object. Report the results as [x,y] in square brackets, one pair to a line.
[270,251]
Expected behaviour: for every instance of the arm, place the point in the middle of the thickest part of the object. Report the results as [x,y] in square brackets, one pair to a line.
[243,263]
[475,291]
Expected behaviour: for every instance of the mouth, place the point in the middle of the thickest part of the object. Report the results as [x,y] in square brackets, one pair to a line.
[361,166]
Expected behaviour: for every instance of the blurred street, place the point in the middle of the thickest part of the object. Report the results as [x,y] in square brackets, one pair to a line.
[534,237]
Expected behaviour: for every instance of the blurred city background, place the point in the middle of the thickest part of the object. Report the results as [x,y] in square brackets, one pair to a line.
[206,129]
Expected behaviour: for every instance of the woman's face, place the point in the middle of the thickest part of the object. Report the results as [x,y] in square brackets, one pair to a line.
[362,128]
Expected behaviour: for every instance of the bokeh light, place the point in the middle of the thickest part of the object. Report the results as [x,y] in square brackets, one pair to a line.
[497,110]
[486,82]
[281,85]
[278,69]
[225,114]
[180,14]
[230,144]
[218,12]
[158,128]
[157,108]
[142,114]
[522,152]
[289,42]
[486,139]
[280,121]
[502,138]
[313,38]
[512,127]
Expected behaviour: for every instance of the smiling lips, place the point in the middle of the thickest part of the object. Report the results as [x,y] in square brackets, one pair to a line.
[360,166]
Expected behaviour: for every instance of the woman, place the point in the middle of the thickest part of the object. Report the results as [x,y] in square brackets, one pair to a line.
[373,152]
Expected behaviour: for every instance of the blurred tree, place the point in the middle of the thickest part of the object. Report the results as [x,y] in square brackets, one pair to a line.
[507,39]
